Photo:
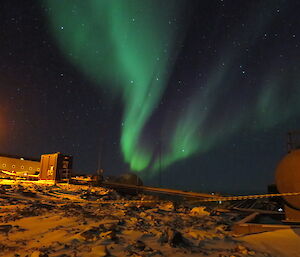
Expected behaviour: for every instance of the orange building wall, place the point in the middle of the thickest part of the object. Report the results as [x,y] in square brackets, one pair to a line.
[19,165]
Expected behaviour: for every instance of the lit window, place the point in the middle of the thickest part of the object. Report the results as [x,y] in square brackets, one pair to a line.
[38,169]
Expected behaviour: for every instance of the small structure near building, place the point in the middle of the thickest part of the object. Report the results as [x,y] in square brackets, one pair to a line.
[56,166]
[130,179]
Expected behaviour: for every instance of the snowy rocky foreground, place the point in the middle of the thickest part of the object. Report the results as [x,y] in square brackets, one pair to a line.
[69,220]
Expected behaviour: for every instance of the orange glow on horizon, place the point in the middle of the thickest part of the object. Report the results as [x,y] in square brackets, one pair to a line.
[3,127]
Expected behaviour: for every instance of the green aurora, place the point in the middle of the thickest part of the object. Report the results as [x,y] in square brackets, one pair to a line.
[132,53]
[115,43]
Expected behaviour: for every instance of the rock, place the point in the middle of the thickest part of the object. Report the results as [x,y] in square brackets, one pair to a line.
[133,219]
[199,211]
[154,253]
[168,206]
[163,238]
[28,193]
[35,254]
[75,242]
[197,234]
[91,234]
[143,214]
[134,255]
[101,251]
[38,254]
[221,229]
[6,186]
[136,247]
[241,249]
[148,249]
[139,245]
[111,235]
[148,234]
[176,239]
[5,228]
[43,206]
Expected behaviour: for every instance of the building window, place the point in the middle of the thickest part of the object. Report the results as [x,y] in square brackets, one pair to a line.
[30,168]
[3,165]
[13,166]
[22,167]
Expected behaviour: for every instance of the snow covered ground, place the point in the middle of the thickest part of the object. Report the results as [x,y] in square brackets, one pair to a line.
[73,220]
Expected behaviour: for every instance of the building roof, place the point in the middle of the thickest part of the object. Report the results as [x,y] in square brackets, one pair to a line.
[19,157]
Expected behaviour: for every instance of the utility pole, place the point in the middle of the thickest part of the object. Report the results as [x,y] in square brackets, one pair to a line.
[100,154]
[160,148]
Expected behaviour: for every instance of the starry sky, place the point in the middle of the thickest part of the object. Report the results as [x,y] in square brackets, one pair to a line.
[194,95]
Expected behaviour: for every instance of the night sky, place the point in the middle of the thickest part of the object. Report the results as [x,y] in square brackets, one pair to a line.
[195,95]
